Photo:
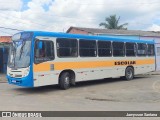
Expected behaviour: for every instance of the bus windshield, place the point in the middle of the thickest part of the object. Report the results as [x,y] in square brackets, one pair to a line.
[20,49]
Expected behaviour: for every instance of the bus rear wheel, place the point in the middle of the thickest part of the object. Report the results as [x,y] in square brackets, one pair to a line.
[129,73]
[64,81]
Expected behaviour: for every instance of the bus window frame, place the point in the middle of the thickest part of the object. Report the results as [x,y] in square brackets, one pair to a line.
[111,53]
[88,40]
[124,54]
[35,51]
[77,48]
[149,55]
[146,49]
[135,49]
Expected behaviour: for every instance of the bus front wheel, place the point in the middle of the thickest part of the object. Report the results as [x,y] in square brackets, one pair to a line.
[64,81]
[129,73]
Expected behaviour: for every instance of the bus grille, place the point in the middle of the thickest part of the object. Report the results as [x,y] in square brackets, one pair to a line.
[18,76]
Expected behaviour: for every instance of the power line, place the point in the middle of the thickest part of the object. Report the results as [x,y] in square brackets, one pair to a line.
[23,20]
[65,20]
[67,17]
[6,32]
[124,4]
[89,4]
[90,19]
[11,28]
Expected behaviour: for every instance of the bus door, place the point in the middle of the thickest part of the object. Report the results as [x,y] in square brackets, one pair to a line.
[43,62]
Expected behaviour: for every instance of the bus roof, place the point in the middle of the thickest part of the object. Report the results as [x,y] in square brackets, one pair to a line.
[88,37]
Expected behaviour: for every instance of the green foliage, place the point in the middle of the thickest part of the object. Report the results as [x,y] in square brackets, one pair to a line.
[112,22]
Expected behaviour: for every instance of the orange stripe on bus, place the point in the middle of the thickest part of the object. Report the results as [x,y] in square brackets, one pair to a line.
[85,64]
[145,62]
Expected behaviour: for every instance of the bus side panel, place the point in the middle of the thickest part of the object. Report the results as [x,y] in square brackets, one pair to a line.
[93,73]
[88,70]
[45,78]
[144,69]
[144,65]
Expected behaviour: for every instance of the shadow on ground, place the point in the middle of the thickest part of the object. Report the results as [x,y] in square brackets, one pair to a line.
[55,88]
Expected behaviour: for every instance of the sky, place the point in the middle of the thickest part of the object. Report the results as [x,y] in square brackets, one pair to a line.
[59,15]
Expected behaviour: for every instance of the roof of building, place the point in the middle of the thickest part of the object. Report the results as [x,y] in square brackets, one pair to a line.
[116,32]
[5,39]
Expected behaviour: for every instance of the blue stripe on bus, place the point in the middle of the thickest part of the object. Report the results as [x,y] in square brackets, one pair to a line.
[88,37]
[25,81]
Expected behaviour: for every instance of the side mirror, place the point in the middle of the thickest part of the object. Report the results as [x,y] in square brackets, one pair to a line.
[40,44]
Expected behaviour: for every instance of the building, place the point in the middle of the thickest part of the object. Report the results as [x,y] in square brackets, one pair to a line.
[4,49]
[128,34]
[5,39]
[112,32]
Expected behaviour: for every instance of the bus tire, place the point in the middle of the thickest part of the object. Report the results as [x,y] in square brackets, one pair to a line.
[129,73]
[64,80]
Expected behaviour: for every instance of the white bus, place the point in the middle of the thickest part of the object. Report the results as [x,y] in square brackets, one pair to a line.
[46,58]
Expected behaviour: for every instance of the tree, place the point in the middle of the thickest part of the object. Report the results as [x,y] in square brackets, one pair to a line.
[112,22]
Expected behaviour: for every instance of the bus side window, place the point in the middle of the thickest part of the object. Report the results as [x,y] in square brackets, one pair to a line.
[141,49]
[39,51]
[150,50]
[87,48]
[44,51]
[130,49]
[118,49]
[67,47]
[104,48]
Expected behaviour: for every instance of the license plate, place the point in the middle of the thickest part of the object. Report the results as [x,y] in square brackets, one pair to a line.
[14,81]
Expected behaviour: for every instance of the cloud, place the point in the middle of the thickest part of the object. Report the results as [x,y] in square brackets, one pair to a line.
[10,5]
[154,27]
[59,15]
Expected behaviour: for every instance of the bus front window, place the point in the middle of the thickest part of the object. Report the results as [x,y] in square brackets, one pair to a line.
[19,54]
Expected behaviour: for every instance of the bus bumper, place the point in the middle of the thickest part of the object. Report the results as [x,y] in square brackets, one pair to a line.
[25,82]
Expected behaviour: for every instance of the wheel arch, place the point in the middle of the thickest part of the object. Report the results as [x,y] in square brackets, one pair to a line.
[72,73]
[131,67]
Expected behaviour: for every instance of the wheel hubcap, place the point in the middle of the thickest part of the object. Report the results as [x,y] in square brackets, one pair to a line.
[67,81]
[129,74]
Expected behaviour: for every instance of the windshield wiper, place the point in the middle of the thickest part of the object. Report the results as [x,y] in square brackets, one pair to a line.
[21,51]
[13,52]
[14,56]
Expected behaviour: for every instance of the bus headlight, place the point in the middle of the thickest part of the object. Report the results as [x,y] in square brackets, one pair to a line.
[8,71]
[26,72]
